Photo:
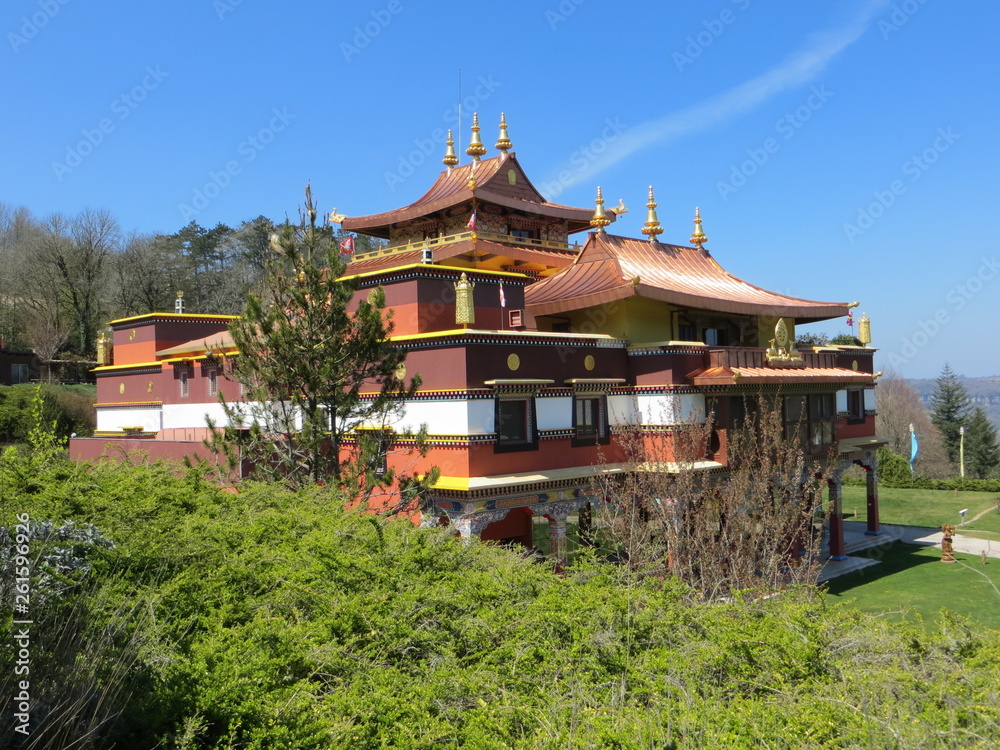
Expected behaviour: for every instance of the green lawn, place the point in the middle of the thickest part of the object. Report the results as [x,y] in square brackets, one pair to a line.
[927,507]
[912,581]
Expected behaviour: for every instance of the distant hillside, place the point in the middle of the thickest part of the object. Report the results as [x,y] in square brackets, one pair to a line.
[984,392]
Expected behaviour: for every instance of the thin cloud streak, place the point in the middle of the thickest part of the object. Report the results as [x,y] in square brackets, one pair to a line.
[799,68]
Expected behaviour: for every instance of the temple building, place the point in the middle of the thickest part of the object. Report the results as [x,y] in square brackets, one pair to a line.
[539,335]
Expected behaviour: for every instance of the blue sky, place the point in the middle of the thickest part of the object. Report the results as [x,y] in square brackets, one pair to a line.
[838,151]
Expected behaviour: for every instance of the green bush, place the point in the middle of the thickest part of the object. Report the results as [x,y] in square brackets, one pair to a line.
[273,619]
[70,407]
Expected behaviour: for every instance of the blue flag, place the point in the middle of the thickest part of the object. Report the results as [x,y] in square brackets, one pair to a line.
[914,447]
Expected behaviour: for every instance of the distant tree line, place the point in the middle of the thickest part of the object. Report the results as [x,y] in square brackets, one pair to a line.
[62,278]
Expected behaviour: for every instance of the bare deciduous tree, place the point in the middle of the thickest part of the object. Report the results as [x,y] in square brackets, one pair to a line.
[899,406]
[751,527]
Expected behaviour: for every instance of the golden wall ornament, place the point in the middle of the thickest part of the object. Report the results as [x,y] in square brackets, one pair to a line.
[782,347]
[589,362]
[465,309]
[513,362]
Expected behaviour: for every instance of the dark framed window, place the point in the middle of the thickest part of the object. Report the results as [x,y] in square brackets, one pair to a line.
[822,412]
[796,418]
[855,407]
[213,382]
[590,420]
[184,384]
[528,234]
[515,424]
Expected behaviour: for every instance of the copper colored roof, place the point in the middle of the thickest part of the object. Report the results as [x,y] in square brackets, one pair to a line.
[777,375]
[611,268]
[493,186]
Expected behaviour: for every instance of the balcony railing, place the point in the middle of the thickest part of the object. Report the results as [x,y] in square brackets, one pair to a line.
[450,239]
[750,356]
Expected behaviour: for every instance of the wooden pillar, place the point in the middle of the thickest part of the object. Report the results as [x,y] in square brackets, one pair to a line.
[871,482]
[836,523]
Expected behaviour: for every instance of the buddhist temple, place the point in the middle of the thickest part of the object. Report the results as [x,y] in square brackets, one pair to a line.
[539,335]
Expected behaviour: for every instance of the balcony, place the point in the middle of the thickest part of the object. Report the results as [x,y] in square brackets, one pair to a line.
[751,356]
[449,239]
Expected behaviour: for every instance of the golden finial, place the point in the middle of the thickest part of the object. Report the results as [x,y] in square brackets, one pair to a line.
[503,142]
[472,177]
[600,218]
[179,303]
[465,309]
[476,147]
[698,238]
[652,228]
[450,158]
[865,330]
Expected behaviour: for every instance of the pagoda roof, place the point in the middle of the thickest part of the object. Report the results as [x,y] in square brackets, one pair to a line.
[611,268]
[493,185]
[731,376]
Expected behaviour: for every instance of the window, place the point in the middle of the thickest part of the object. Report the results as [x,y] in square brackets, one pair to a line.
[213,382]
[184,384]
[590,423]
[822,411]
[18,373]
[515,423]
[796,419]
[855,407]
[528,234]
[716,337]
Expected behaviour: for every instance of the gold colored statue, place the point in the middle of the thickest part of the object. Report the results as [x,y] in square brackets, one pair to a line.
[465,309]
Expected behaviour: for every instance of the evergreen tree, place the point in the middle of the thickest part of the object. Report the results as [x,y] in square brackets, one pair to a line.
[304,361]
[982,454]
[949,409]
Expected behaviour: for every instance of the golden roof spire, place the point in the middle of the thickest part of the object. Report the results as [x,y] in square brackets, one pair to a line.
[600,218]
[503,142]
[865,330]
[476,147]
[652,227]
[698,238]
[450,158]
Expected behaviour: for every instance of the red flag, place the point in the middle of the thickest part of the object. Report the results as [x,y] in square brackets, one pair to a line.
[471,226]
[347,246]
[503,300]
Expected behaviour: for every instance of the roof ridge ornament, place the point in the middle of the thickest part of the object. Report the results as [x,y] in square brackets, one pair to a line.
[600,218]
[698,238]
[450,157]
[476,148]
[503,142]
[652,228]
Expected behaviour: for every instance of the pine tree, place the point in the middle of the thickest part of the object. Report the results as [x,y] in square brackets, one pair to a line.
[949,409]
[321,382]
[982,454]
